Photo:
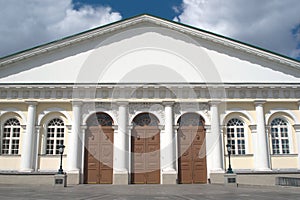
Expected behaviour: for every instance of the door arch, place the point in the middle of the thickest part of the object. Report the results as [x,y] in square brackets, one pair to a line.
[192,151]
[145,150]
[99,150]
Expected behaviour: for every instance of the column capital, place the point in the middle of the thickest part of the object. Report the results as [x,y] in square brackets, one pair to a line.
[77,103]
[253,127]
[83,127]
[214,102]
[259,102]
[69,127]
[168,103]
[296,127]
[122,103]
[161,127]
[31,103]
[115,127]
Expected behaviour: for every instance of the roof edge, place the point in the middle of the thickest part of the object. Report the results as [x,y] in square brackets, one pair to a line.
[233,43]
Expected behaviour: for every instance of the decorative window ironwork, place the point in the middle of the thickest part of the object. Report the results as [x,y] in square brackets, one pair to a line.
[279,136]
[100,119]
[11,137]
[236,136]
[145,119]
[55,136]
[191,119]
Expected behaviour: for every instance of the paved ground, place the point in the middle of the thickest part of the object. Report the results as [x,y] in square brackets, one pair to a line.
[144,192]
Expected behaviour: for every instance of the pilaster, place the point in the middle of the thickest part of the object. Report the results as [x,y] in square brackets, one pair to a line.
[297,130]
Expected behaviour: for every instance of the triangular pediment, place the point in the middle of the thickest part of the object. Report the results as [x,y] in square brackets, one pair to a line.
[147,49]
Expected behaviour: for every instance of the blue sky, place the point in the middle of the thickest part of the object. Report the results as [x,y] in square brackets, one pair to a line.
[129,8]
[270,24]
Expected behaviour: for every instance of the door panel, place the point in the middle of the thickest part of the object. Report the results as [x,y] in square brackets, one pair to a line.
[145,155]
[99,155]
[192,161]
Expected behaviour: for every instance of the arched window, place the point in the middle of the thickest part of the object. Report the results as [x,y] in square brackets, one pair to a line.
[11,137]
[279,136]
[55,136]
[236,136]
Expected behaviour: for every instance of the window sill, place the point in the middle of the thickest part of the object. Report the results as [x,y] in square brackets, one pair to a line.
[240,155]
[46,155]
[284,155]
[10,155]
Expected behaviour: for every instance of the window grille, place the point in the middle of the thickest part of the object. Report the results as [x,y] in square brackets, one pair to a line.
[236,136]
[11,137]
[279,136]
[55,136]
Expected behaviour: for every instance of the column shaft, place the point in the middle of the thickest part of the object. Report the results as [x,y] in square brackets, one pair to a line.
[120,140]
[169,150]
[261,157]
[215,141]
[74,137]
[28,141]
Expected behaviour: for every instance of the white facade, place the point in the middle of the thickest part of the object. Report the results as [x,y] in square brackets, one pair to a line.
[149,65]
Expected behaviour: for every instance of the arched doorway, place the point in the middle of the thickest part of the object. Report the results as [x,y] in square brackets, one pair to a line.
[192,152]
[99,150]
[145,149]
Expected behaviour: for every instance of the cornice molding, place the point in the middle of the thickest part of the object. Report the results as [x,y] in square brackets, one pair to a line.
[218,39]
[122,94]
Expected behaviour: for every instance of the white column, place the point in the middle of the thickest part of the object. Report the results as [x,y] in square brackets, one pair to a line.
[297,129]
[83,129]
[214,140]
[261,156]
[72,156]
[168,147]
[209,154]
[120,139]
[121,156]
[37,147]
[28,139]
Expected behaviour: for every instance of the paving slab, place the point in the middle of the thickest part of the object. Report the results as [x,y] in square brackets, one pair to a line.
[145,192]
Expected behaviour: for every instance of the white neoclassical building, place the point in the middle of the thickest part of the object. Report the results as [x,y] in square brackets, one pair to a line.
[146,100]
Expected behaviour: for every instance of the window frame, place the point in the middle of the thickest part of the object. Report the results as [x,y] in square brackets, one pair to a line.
[235,151]
[11,137]
[54,150]
[288,137]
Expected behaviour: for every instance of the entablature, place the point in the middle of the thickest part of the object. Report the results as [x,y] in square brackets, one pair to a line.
[150,92]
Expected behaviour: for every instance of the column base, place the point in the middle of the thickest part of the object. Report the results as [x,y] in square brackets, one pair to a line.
[26,170]
[73,177]
[120,178]
[169,177]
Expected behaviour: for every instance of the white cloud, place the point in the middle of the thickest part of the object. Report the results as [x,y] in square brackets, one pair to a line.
[267,24]
[34,22]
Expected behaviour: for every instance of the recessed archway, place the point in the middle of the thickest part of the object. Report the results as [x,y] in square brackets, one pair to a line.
[99,149]
[145,149]
[192,151]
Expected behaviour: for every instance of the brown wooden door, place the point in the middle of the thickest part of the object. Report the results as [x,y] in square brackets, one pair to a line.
[99,155]
[145,147]
[192,160]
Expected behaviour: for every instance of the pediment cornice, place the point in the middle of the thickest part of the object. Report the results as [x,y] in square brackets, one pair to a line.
[127,23]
